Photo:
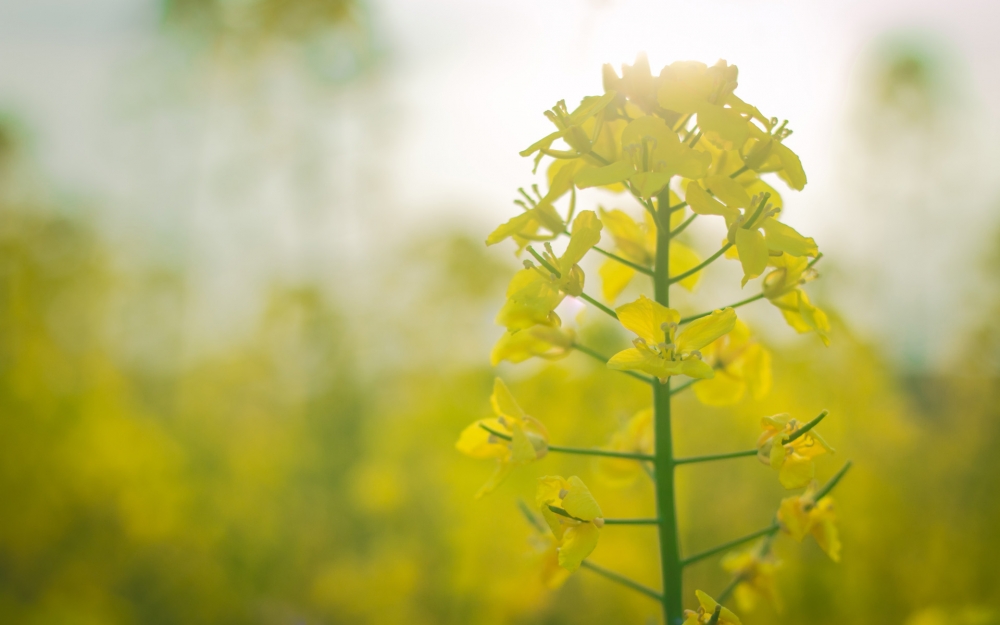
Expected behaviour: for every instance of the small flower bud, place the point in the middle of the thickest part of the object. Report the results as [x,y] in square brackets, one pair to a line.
[598,522]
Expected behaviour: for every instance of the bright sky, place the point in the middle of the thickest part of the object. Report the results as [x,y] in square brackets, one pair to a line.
[461,90]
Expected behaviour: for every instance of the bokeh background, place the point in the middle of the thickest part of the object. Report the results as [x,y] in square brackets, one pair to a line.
[245,308]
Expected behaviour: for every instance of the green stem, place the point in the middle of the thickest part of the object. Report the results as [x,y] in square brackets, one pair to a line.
[599,305]
[624,261]
[808,426]
[705,263]
[621,579]
[743,302]
[711,457]
[833,481]
[598,356]
[770,529]
[684,386]
[666,507]
[582,451]
[679,229]
[631,521]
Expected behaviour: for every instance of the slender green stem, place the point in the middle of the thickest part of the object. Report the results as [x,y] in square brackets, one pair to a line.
[739,171]
[770,529]
[666,506]
[705,263]
[598,356]
[684,386]
[631,521]
[624,261]
[679,229]
[599,305]
[833,481]
[621,579]
[582,451]
[743,302]
[808,426]
[730,587]
[711,457]
[716,615]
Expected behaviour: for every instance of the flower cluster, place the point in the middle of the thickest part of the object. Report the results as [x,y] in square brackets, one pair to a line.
[679,146]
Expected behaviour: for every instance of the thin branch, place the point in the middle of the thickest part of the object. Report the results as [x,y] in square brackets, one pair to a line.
[583,451]
[604,359]
[679,229]
[808,426]
[631,521]
[708,261]
[599,305]
[680,388]
[739,171]
[730,587]
[833,481]
[743,302]
[621,579]
[624,261]
[711,457]
[770,529]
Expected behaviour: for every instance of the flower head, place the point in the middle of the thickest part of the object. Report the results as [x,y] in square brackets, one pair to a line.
[802,515]
[706,609]
[534,292]
[512,437]
[573,515]
[636,436]
[794,460]
[755,573]
[661,349]
[740,364]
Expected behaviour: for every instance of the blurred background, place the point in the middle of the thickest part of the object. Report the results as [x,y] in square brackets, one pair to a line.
[245,308]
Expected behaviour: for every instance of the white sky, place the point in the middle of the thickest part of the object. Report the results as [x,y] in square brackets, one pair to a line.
[435,135]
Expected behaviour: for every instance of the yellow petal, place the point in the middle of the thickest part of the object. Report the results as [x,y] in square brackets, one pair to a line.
[683,258]
[730,192]
[474,441]
[615,276]
[757,371]
[793,518]
[696,368]
[503,401]
[722,390]
[549,488]
[579,502]
[521,448]
[586,234]
[708,604]
[783,238]
[796,472]
[701,332]
[629,238]
[702,203]
[753,252]
[726,123]
[578,542]
[512,227]
[646,317]
[791,172]
[501,473]
[649,183]
[603,176]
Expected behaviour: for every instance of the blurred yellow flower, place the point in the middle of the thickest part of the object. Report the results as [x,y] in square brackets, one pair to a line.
[573,515]
[523,438]
[756,577]
[635,437]
[801,515]
[534,292]
[782,288]
[548,342]
[661,350]
[637,243]
[793,460]
[746,217]
[706,608]
[740,364]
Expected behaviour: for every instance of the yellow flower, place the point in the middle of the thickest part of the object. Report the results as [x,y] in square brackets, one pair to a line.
[794,461]
[573,515]
[550,343]
[756,577]
[801,515]
[534,292]
[526,438]
[540,214]
[661,350]
[637,243]
[782,288]
[705,610]
[746,217]
[740,364]
[765,152]
[635,437]
[570,127]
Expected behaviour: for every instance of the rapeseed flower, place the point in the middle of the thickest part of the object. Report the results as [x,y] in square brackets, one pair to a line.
[755,573]
[523,438]
[636,436]
[548,342]
[705,610]
[793,460]
[660,349]
[573,515]
[782,287]
[740,364]
[801,515]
